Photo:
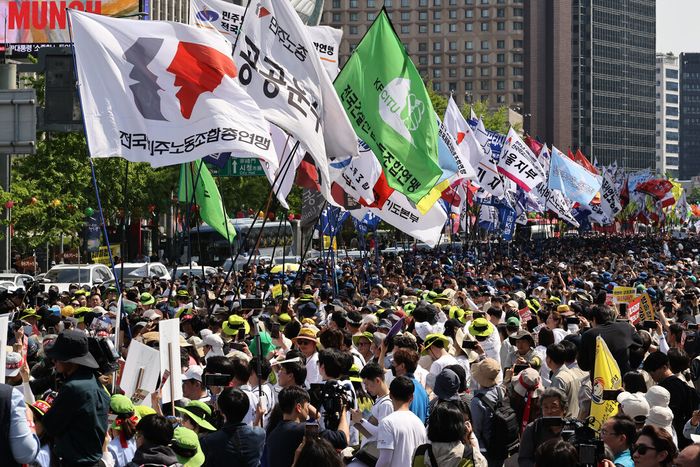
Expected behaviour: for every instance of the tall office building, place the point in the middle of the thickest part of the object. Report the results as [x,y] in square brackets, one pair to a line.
[590,77]
[472,48]
[690,115]
[667,115]
[169,10]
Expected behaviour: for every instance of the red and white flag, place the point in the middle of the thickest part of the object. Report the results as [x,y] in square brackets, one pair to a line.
[163,93]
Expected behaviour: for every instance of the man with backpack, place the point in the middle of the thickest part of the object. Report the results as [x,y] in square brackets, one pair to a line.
[493,420]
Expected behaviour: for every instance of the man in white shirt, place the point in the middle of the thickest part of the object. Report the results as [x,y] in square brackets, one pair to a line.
[373,378]
[436,346]
[400,432]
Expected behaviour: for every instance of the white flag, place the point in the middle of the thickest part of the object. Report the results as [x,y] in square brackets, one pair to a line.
[163,93]
[550,199]
[518,163]
[401,213]
[285,149]
[227,18]
[281,70]
[358,176]
[479,150]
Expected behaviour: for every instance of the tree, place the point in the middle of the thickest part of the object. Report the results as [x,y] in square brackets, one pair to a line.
[495,121]
[694,196]
[439,101]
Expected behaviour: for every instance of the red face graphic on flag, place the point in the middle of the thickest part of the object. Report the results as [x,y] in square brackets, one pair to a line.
[197,68]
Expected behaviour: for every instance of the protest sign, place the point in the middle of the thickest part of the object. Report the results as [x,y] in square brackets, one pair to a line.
[633,310]
[623,294]
[169,331]
[139,371]
[646,308]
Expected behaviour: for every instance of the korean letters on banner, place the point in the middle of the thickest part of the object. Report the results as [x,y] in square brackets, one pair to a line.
[518,163]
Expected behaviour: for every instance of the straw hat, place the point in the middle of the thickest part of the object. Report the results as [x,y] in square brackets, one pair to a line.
[485,372]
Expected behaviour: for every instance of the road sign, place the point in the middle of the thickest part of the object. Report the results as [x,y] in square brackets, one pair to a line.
[238,167]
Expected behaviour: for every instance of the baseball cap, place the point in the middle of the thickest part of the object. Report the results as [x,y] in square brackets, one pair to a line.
[193,372]
[13,362]
[634,405]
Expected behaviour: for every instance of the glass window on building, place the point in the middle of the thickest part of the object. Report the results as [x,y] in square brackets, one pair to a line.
[452,72]
[437,27]
[672,148]
[484,45]
[437,87]
[672,135]
[423,15]
[517,71]
[422,60]
[353,17]
[388,3]
[422,29]
[437,2]
[518,12]
[353,3]
[672,123]
[672,98]
[437,59]
[517,84]
[484,26]
[469,72]
[437,73]
[423,3]
[485,13]
[437,45]
[672,111]
[500,44]
[671,86]
[485,71]
[500,12]
[517,58]
[670,73]
[500,85]
[484,58]
[452,27]
[485,85]
[469,27]
[469,13]
[405,3]
[469,58]
[337,17]
[353,30]
[453,45]
[453,2]
[371,3]
[500,99]
[336,3]
[422,47]
[468,86]
[405,16]
[468,45]
[517,44]
[452,86]
[501,26]
[517,25]
[437,14]
[405,29]
[453,14]
[501,71]
[484,2]
[452,59]
[500,58]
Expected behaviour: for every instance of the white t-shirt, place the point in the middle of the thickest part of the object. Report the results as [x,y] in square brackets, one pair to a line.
[313,376]
[402,432]
[437,366]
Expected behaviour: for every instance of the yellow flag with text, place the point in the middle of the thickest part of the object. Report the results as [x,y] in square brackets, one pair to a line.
[606,376]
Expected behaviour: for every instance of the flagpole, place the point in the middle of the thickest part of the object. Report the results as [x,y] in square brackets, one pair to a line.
[126,211]
[308,243]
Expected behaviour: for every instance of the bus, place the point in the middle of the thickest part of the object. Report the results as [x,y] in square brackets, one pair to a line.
[215,249]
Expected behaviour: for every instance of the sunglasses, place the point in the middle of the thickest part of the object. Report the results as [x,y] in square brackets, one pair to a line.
[642,449]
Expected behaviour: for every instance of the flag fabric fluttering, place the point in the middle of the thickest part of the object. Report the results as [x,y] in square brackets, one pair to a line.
[606,376]
[575,182]
[173,93]
[282,71]
[518,163]
[391,111]
[198,186]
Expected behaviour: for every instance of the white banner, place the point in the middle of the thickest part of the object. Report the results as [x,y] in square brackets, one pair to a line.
[402,214]
[169,351]
[284,146]
[358,176]
[518,163]
[4,324]
[481,158]
[227,18]
[140,372]
[163,93]
[552,200]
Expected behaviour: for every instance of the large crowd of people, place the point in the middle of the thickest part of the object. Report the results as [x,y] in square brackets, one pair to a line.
[448,357]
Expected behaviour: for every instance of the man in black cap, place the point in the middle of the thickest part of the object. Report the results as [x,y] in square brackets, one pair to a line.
[77,420]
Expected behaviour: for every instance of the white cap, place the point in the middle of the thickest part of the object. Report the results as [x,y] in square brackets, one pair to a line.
[661,417]
[193,372]
[152,315]
[13,362]
[213,340]
[658,396]
[634,405]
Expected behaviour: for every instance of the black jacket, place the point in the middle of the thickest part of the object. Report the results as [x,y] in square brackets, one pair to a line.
[154,456]
[618,336]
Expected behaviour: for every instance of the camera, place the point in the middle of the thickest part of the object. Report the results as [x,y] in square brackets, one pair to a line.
[330,398]
[577,432]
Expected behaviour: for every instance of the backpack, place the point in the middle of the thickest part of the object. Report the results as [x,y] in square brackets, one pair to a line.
[504,438]
[419,457]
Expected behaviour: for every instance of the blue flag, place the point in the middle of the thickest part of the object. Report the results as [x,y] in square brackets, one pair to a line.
[332,220]
[575,182]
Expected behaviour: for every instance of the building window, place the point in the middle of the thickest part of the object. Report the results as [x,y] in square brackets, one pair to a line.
[484,58]
[422,47]
[518,12]
[437,46]
[423,60]
[673,74]
[672,98]
[371,3]
[437,2]
[500,71]
[405,16]
[484,45]
[485,85]
[468,27]
[484,26]
[672,123]
[517,44]
[469,13]
[468,45]
[353,3]
[452,59]
[423,3]
[469,58]
[500,99]
[422,29]
[437,27]
[485,71]
[500,12]
[437,59]
[468,72]
[353,30]
[672,148]
[405,3]
[337,17]
[672,111]
[517,58]
[452,72]
[671,86]
[500,58]
[388,3]
[437,14]
[485,13]
[452,86]
[437,73]
[501,26]
[501,85]
[452,27]
[437,87]
[517,84]
[336,3]
[405,29]
[484,2]
[453,2]
[468,86]
[672,135]
[517,71]
[500,44]
[517,25]
[423,15]
[453,45]
[453,14]
[353,17]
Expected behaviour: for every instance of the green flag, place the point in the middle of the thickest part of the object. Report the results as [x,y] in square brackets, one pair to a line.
[390,110]
[206,196]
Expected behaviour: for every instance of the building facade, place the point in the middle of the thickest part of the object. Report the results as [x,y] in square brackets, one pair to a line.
[667,114]
[168,10]
[471,48]
[689,115]
[597,61]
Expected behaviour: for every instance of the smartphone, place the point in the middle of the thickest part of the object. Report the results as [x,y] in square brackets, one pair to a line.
[311,430]
[611,394]
[251,303]
[216,379]
[550,422]
[238,345]
[241,334]
[649,324]
[520,367]
[275,330]
[572,320]
[623,309]
[284,308]
[468,344]
[693,326]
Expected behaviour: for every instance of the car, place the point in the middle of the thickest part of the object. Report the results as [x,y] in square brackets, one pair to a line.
[142,270]
[243,260]
[63,275]
[194,271]
[19,280]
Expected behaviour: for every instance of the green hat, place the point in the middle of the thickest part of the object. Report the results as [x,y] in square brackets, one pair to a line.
[266,344]
[430,339]
[182,294]
[480,327]
[233,324]
[79,292]
[142,411]
[198,411]
[284,318]
[80,312]
[458,314]
[121,405]
[409,307]
[306,298]
[356,337]
[28,313]
[147,299]
[186,446]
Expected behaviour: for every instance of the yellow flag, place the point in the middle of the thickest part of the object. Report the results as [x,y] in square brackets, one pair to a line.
[606,376]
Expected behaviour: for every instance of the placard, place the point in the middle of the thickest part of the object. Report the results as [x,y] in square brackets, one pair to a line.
[140,356]
[169,331]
